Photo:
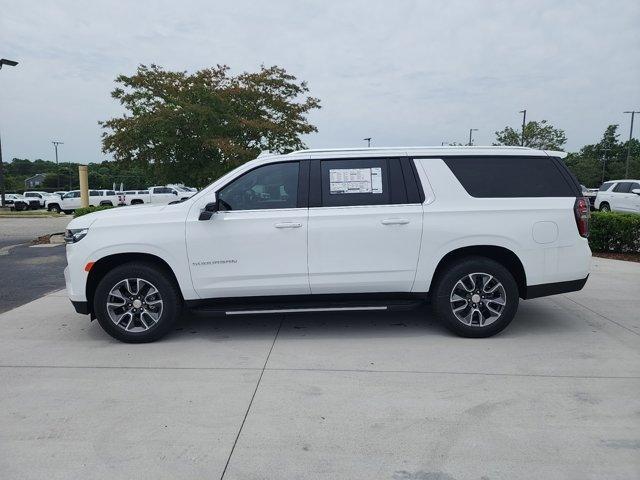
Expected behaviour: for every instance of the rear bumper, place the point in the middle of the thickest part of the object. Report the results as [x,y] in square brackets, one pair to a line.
[546,289]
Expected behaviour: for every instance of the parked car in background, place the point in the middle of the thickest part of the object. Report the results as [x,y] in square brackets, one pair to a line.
[71,200]
[619,196]
[473,229]
[16,201]
[60,193]
[36,197]
[159,195]
[135,197]
[589,194]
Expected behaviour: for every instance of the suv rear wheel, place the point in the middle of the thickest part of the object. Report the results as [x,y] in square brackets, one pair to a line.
[604,207]
[136,303]
[54,208]
[476,297]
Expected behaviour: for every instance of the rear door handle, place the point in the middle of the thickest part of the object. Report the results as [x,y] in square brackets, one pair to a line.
[395,221]
[288,225]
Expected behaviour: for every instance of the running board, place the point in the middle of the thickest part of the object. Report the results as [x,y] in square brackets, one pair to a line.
[303,310]
[253,306]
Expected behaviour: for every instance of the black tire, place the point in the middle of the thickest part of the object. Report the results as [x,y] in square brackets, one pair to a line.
[604,207]
[166,287]
[19,207]
[104,204]
[460,269]
[54,208]
[68,212]
[137,202]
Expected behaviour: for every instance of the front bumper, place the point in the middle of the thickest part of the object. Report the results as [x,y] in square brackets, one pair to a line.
[81,307]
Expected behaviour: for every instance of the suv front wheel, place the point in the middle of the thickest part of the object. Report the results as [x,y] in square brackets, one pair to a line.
[476,297]
[137,303]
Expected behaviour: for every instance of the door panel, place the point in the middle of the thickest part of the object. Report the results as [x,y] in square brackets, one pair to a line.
[257,244]
[249,253]
[364,248]
[364,233]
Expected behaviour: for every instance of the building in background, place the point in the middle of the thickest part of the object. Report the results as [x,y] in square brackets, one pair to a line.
[34,181]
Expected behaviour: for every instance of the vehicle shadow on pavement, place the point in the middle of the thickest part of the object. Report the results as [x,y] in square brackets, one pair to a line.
[537,317]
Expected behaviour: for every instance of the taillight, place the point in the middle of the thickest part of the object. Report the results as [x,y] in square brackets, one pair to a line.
[581,210]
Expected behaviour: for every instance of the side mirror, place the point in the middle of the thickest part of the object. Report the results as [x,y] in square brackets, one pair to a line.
[208,211]
[636,191]
[174,192]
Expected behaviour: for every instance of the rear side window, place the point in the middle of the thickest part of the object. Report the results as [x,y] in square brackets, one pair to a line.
[355,182]
[509,177]
[622,187]
[605,186]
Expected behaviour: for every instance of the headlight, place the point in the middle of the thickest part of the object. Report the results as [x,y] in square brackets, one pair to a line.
[74,235]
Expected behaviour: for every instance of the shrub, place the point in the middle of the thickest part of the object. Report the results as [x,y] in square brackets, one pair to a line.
[614,232]
[83,211]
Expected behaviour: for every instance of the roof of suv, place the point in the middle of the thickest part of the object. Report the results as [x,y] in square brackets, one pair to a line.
[429,151]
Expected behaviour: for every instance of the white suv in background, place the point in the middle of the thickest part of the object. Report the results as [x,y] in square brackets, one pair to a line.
[158,195]
[471,229]
[619,196]
[71,201]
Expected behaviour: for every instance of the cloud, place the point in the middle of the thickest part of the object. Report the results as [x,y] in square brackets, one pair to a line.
[402,72]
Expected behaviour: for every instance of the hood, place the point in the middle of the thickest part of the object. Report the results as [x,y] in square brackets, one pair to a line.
[124,213]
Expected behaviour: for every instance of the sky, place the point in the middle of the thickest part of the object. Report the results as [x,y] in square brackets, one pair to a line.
[401,72]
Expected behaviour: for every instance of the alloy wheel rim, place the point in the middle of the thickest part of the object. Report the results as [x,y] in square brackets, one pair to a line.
[134,305]
[478,299]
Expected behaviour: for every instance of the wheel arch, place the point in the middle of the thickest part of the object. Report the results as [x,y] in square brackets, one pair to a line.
[502,255]
[107,263]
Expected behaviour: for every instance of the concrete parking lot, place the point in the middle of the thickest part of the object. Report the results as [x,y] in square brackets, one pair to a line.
[329,396]
[18,230]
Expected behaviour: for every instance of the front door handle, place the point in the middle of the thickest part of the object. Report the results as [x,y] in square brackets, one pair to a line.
[288,225]
[395,221]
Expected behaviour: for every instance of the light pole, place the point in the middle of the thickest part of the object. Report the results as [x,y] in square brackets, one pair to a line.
[524,123]
[633,114]
[368,140]
[471,130]
[55,145]
[10,63]
[604,162]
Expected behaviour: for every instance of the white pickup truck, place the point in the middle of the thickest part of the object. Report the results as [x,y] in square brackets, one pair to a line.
[37,196]
[17,202]
[71,200]
[159,195]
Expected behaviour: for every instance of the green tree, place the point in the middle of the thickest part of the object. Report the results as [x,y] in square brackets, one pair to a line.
[539,135]
[193,128]
[609,153]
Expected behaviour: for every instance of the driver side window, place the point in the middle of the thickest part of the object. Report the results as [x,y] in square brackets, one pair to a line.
[267,187]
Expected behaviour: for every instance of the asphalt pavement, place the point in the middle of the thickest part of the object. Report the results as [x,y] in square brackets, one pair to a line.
[369,395]
[27,271]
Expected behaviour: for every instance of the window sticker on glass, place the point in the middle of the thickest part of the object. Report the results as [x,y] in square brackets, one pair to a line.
[355,180]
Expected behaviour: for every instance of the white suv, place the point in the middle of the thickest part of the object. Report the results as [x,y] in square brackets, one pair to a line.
[472,229]
[72,200]
[619,196]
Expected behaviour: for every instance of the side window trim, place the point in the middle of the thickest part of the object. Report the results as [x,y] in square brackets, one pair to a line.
[415,192]
[303,184]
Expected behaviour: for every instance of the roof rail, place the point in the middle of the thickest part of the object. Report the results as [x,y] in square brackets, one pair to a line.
[444,147]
